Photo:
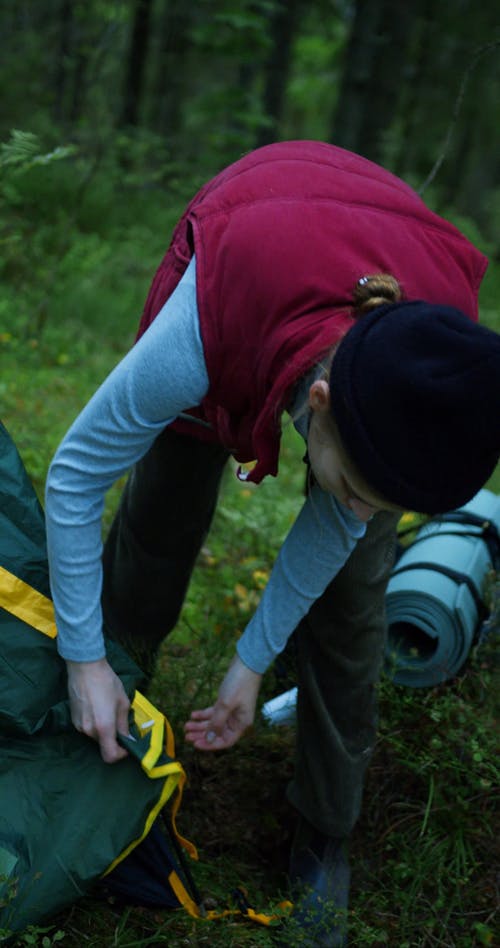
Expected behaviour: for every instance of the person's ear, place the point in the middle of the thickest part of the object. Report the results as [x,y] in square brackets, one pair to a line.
[319,396]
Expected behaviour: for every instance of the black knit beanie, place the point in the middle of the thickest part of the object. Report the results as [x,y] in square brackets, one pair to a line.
[415,394]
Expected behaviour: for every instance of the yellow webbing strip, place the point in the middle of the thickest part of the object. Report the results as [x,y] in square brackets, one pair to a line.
[169,739]
[37,610]
[168,788]
[258,917]
[183,895]
[24,602]
[151,722]
[213,915]
[185,843]
[150,719]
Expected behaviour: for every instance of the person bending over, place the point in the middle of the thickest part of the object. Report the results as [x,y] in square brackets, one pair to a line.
[301,279]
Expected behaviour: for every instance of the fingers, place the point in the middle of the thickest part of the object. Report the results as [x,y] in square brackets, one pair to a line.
[104,731]
[204,715]
[213,729]
[220,726]
[198,730]
[111,752]
[219,743]
[122,723]
[99,706]
[208,740]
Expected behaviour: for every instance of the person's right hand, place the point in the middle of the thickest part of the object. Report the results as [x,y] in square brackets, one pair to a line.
[99,705]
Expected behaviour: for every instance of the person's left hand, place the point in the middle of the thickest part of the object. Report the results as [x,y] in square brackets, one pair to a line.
[221,725]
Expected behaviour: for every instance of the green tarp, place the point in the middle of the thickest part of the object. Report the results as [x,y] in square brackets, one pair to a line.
[65,816]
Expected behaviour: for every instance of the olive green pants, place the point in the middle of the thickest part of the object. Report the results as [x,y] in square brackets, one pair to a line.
[164,516]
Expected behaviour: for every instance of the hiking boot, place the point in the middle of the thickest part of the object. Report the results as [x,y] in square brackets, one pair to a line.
[320,876]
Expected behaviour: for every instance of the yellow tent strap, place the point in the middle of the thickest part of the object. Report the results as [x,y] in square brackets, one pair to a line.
[186,900]
[151,721]
[32,607]
[285,909]
[243,911]
[36,610]
[26,603]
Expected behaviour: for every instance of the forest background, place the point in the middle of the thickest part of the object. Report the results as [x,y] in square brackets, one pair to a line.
[112,113]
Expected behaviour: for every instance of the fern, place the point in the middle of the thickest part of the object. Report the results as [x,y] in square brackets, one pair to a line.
[23,151]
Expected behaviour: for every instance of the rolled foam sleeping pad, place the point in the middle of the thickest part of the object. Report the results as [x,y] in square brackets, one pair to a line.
[434,598]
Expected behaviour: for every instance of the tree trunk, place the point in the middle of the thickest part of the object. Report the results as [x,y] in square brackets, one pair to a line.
[351,108]
[62,59]
[136,65]
[473,167]
[283,26]
[169,85]
[375,71]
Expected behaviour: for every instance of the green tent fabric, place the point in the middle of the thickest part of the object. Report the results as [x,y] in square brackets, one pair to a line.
[65,816]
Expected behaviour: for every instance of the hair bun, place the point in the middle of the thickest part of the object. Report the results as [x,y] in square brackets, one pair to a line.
[375,290]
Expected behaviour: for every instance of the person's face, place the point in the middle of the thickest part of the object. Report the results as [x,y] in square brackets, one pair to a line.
[330,464]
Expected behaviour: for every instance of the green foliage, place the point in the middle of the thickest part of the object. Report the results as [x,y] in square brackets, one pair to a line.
[36,937]
[315,77]
[24,168]
[22,151]
[56,239]
[83,227]
[235,28]
[424,841]
[435,832]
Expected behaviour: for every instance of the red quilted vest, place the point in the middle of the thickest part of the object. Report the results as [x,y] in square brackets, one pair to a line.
[281,237]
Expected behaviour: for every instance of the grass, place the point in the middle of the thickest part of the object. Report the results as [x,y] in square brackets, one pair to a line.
[423,853]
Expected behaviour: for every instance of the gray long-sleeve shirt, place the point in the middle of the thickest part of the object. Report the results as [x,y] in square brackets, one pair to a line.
[161,376]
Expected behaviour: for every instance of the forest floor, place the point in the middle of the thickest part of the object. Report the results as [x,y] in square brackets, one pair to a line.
[425,851]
